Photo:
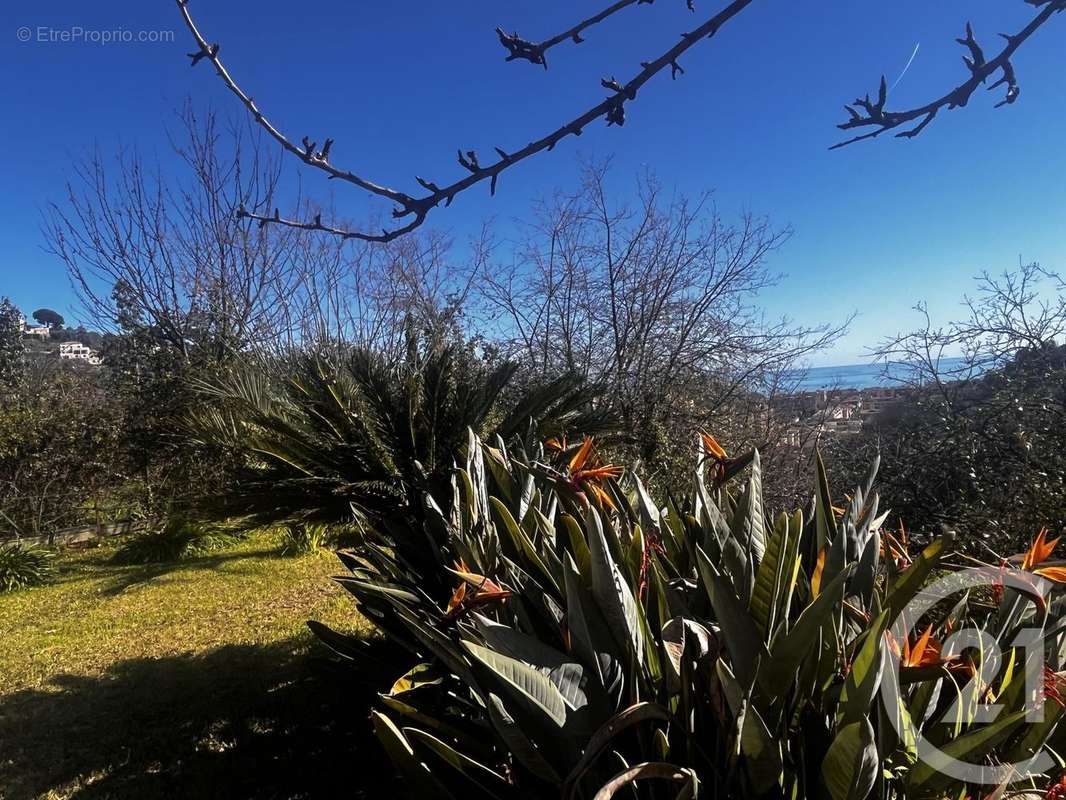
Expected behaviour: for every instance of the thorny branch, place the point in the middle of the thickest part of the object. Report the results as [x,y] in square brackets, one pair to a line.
[874,113]
[418,208]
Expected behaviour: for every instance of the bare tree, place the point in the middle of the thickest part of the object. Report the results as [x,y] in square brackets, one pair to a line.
[1017,310]
[656,302]
[377,295]
[978,443]
[197,273]
[613,109]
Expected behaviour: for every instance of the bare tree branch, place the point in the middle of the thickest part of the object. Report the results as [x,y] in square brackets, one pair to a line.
[873,113]
[533,52]
[417,208]
[654,301]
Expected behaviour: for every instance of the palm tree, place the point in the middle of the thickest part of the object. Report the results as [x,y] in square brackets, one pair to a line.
[333,436]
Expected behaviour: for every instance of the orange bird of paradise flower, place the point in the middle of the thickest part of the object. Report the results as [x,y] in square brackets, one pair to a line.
[925,652]
[1039,552]
[716,453]
[482,591]
[896,547]
[587,473]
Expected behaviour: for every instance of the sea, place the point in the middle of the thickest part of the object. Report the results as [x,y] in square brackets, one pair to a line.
[863,376]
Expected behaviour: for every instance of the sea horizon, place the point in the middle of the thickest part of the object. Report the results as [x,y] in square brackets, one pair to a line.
[860,376]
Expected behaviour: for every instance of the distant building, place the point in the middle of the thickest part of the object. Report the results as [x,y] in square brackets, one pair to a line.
[76,351]
[41,331]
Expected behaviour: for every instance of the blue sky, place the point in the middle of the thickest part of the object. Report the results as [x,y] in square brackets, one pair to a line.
[400,86]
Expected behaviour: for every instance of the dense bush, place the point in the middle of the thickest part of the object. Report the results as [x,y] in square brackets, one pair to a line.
[593,639]
[332,435]
[23,565]
[177,539]
[985,456]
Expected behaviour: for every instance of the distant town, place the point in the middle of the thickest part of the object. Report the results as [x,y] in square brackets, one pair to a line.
[832,412]
[47,329]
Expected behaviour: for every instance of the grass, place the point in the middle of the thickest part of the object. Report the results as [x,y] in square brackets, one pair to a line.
[194,679]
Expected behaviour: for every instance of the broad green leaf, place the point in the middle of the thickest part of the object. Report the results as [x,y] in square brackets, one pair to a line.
[650,516]
[912,579]
[1036,733]
[358,588]
[824,518]
[521,541]
[623,720]
[560,669]
[745,645]
[525,684]
[589,637]
[850,768]
[491,783]
[497,463]
[749,523]
[928,774]
[578,547]
[611,592]
[761,752]
[521,747]
[414,772]
[866,572]
[417,677]
[864,678]
[515,644]
[427,720]
[770,576]
[789,651]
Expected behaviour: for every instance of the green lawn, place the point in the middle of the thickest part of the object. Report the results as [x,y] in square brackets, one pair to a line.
[195,679]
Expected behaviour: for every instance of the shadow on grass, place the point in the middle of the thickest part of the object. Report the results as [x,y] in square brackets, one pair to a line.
[128,576]
[237,722]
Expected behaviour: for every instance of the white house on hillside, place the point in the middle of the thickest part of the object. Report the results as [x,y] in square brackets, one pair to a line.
[76,351]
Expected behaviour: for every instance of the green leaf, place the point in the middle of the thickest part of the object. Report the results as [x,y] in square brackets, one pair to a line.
[611,592]
[850,768]
[588,632]
[530,687]
[761,751]
[911,580]
[417,677]
[433,723]
[417,776]
[824,519]
[749,522]
[521,541]
[864,678]
[927,775]
[790,651]
[358,588]
[771,575]
[520,746]
[744,643]
[578,546]
[866,572]
[623,720]
[650,516]
[488,781]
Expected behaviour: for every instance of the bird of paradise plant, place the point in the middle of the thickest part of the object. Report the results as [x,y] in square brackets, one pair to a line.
[702,646]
